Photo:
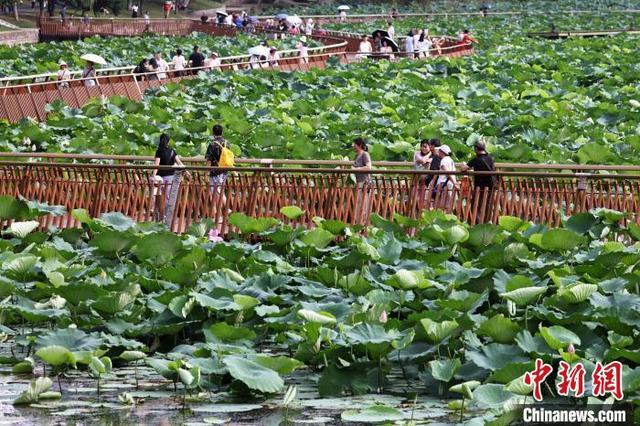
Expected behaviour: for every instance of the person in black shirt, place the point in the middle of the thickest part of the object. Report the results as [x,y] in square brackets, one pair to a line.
[483,184]
[196,60]
[482,162]
[165,156]
[434,145]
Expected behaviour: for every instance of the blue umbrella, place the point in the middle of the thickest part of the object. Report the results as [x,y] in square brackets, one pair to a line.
[282,16]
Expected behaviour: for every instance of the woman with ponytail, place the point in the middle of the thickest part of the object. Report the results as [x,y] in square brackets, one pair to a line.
[165,156]
[363,180]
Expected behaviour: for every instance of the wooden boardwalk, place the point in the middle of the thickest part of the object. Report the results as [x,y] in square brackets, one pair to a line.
[539,196]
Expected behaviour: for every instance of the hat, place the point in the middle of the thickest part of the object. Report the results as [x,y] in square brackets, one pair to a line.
[303,39]
[214,53]
[445,149]
[62,63]
[480,144]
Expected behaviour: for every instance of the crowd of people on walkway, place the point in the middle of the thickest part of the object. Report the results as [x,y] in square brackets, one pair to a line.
[432,155]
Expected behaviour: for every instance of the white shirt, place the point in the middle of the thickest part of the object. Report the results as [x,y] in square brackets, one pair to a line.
[273,59]
[408,44]
[392,32]
[425,46]
[212,63]
[416,40]
[365,47]
[304,50]
[146,19]
[178,62]
[64,74]
[447,165]
[228,20]
[162,67]
[308,29]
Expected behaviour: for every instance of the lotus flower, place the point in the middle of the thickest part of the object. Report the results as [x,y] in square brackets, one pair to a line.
[383,317]
[571,349]
[214,236]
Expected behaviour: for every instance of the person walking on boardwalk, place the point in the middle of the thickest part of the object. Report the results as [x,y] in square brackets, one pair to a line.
[178,62]
[165,156]
[483,184]
[408,45]
[196,60]
[159,65]
[391,30]
[363,180]
[303,50]
[217,178]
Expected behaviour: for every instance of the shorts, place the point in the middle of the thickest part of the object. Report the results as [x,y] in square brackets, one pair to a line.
[217,180]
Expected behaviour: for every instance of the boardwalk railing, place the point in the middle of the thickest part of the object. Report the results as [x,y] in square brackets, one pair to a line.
[327,193]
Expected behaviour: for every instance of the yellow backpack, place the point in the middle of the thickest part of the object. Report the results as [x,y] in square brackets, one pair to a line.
[227,158]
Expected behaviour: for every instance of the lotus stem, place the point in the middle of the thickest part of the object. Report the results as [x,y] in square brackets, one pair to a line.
[462,410]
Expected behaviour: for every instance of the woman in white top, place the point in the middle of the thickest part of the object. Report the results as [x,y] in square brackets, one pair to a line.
[391,31]
[387,50]
[63,75]
[178,62]
[303,50]
[213,63]
[446,165]
[308,28]
[424,44]
[365,48]
[88,72]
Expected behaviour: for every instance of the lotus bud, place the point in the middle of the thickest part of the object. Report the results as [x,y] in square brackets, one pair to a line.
[571,349]
[316,346]
[383,317]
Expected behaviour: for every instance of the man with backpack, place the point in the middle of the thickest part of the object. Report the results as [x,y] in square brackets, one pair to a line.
[218,155]
[483,184]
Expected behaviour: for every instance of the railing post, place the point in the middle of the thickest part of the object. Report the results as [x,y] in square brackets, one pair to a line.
[581,195]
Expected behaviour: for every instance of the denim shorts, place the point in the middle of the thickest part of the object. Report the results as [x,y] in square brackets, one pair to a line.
[217,180]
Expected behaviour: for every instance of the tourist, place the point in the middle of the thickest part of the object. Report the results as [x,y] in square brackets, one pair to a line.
[309,26]
[408,45]
[273,57]
[424,44]
[158,64]
[228,20]
[434,147]
[63,13]
[63,74]
[178,62]
[387,50]
[446,182]
[166,8]
[342,16]
[204,18]
[142,69]
[87,74]
[365,47]
[363,180]
[391,31]
[483,184]
[482,162]
[466,38]
[217,178]
[134,11]
[422,157]
[416,43]
[196,60]
[212,63]
[303,50]
[283,27]
[85,18]
[147,20]
[377,42]
[394,13]
[165,156]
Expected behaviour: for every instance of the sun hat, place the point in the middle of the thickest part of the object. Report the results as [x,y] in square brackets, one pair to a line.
[214,53]
[445,149]
[303,39]
[62,63]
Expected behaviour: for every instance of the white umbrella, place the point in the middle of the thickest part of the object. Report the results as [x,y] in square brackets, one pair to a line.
[343,7]
[96,59]
[220,12]
[259,51]
[294,20]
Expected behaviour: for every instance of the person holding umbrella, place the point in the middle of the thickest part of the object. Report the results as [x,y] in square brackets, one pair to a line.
[342,16]
[89,72]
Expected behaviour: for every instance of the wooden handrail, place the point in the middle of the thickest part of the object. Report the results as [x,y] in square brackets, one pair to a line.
[38,158]
[329,193]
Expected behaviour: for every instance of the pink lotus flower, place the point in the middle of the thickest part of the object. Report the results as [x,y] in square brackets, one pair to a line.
[214,236]
[571,349]
[383,317]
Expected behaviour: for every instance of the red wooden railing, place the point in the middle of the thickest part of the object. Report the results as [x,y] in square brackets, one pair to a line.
[537,196]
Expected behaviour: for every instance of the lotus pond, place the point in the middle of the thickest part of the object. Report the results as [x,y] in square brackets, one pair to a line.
[321,325]
[535,100]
